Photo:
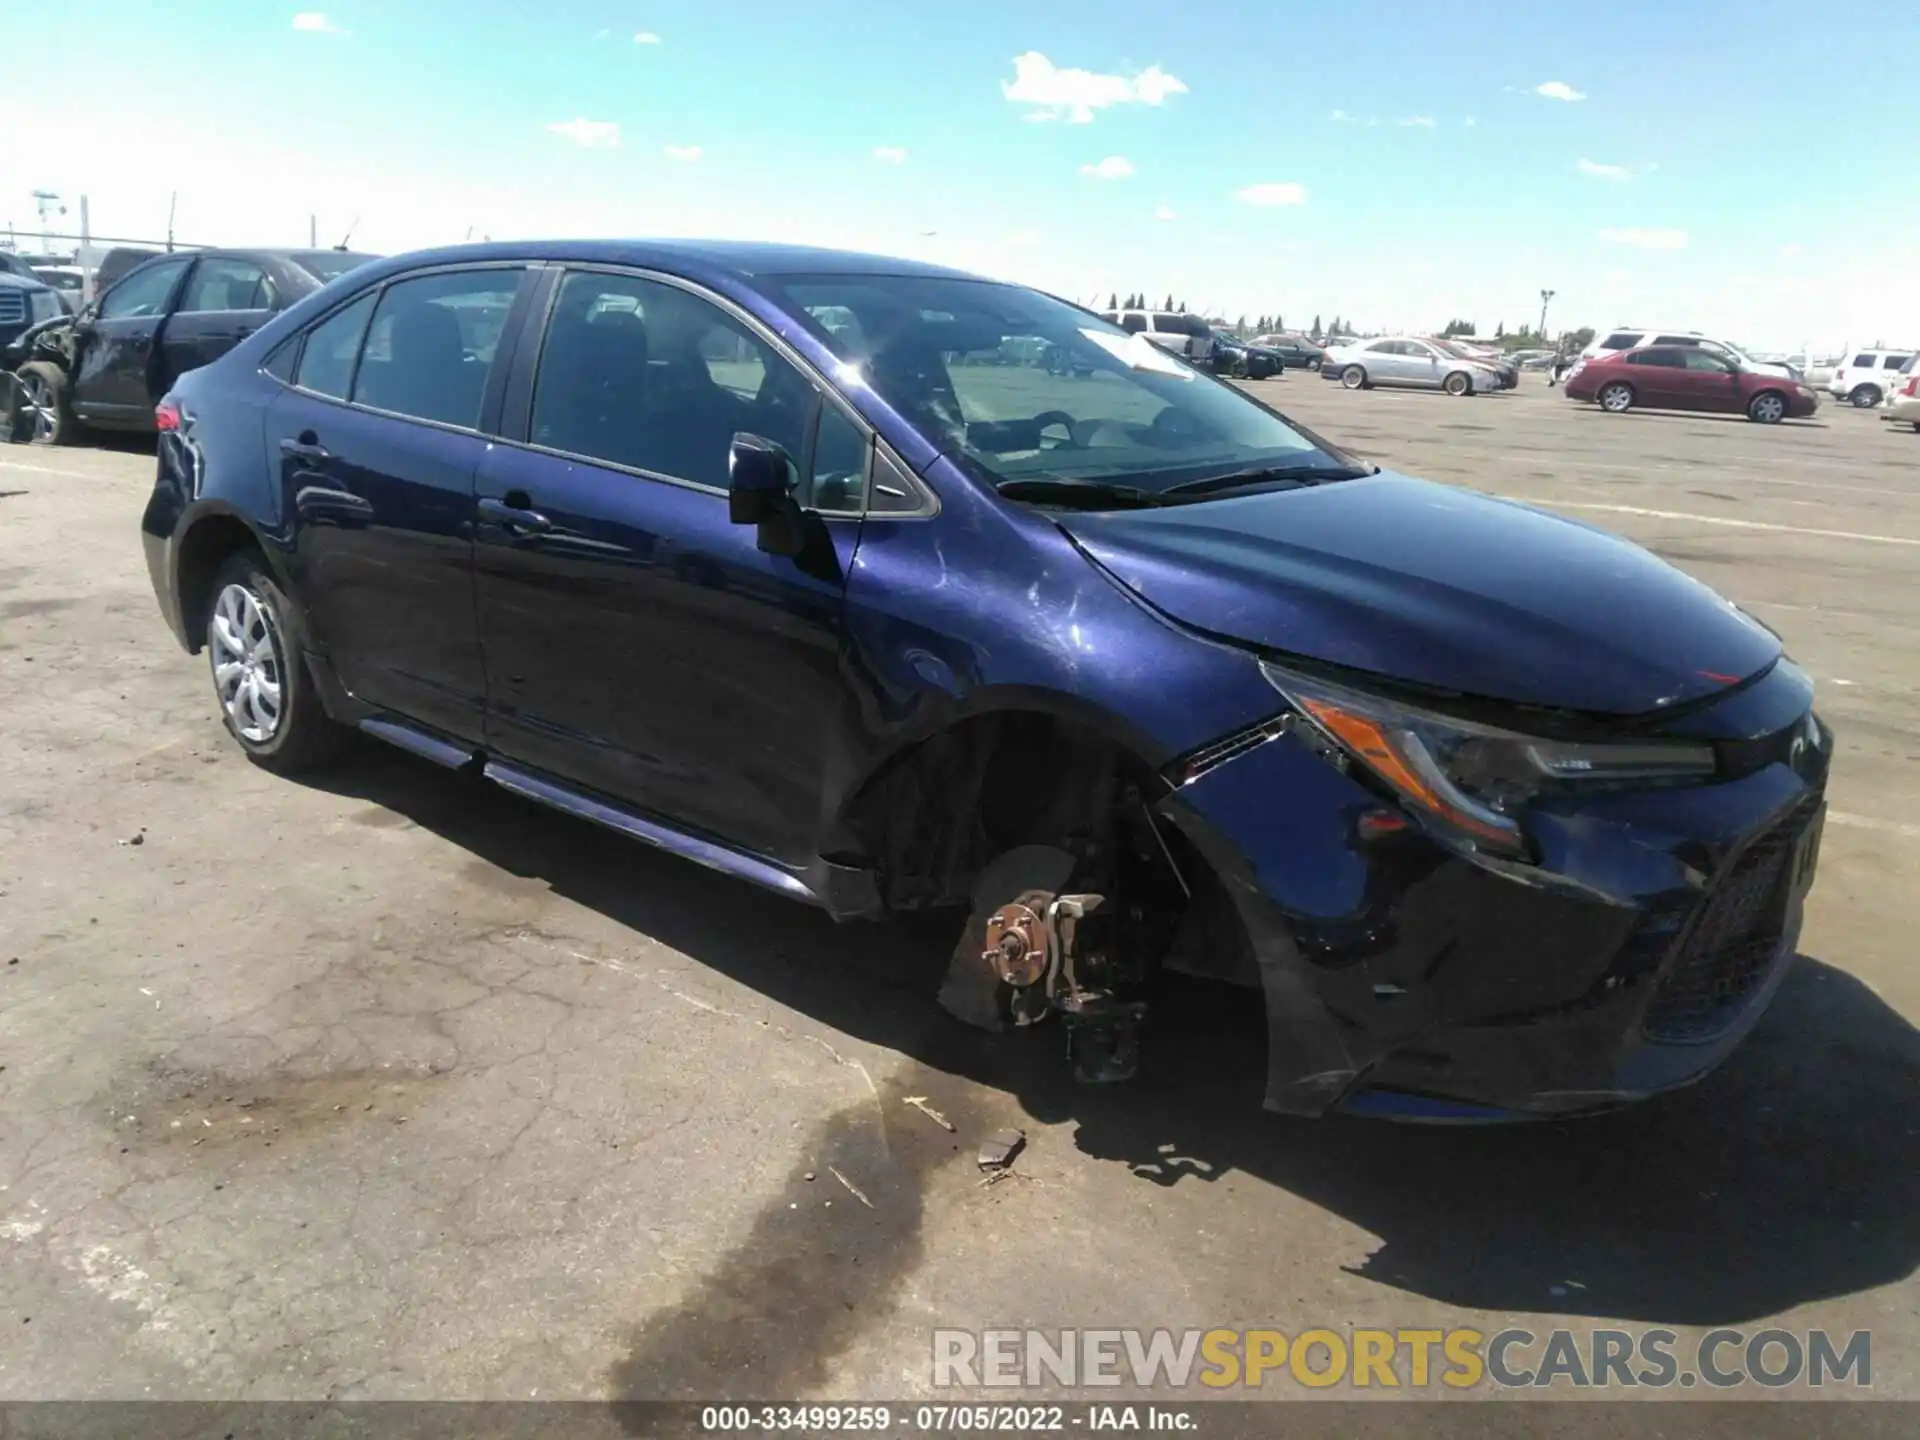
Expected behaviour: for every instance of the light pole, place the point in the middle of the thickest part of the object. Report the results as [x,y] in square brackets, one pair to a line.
[1545,296]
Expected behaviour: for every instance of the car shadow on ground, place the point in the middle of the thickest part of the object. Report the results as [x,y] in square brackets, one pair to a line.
[1790,1175]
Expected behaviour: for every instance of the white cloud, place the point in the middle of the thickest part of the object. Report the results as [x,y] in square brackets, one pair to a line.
[1604,172]
[687,154]
[1790,250]
[1559,90]
[1470,122]
[646,37]
[1284,192]
[588,134]
[1423,122]
[315,23]
[1165,212]
[890,154]
[1647,239]
[1075,94]
[1114,167]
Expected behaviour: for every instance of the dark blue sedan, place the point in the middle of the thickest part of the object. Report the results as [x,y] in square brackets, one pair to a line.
[887,588]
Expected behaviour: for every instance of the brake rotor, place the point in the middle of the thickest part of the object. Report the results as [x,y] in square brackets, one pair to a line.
[1017,944]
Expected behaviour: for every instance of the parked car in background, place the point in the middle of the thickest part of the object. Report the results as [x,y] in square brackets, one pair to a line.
[1408,360]
[1687,377]
[1865,377]
[1903,404]
[24,303]
[174,313]
[1508,372]
[69,282]
[1186,335]
[1628,337]
[1297,351]
[1245,360]
[1141,674]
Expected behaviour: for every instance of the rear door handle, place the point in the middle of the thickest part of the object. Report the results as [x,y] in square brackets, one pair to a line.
[515,519]
[307,447]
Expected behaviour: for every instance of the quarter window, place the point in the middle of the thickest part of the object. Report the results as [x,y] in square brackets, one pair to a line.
[142,293]
[1865,361]
[326,361]
[1620,340]
[646,376]
[1896,362]
[1133,323]
[431,342]
[227,285]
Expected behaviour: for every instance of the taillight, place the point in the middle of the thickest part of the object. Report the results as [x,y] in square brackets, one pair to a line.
[1912,387]
[166,415]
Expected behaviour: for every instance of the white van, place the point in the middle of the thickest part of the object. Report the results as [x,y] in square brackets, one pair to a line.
[1864,378]
[1185,335]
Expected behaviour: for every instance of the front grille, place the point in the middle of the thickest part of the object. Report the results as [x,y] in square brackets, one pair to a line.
[1727,954]
[13,305]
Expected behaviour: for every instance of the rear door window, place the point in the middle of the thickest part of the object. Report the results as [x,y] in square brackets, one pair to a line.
[326,361]
[1665,359]
[431,342]
[222,284]
[1864,361]
[1897,362]
[1133,322]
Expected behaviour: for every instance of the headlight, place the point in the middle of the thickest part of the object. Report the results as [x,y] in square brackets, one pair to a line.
[1469,781]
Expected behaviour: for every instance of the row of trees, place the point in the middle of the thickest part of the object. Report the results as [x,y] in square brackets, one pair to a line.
[1138,301]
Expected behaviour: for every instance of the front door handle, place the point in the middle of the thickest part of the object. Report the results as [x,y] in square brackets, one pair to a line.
[516,519]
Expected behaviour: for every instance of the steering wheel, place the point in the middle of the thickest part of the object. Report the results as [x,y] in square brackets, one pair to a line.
[1048,418]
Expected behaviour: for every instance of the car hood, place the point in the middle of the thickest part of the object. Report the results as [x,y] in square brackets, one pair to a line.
[1435,586]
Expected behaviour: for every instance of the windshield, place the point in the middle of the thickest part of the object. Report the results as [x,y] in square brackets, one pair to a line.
[1016,385]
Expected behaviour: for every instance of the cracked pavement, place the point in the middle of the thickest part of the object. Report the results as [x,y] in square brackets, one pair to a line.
[390,1085]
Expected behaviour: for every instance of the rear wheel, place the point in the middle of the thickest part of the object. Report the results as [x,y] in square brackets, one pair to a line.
[1617,398]
[1458,383]
[1353,377]
[1864,397]
[1769,407]
[43,391]
[267,699]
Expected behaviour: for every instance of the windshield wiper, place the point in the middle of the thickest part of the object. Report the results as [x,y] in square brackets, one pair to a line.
[1261,476]
[1085,494]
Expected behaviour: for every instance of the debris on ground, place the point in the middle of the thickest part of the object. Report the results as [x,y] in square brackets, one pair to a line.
[919,1102]
[998,1149]
[852,1189]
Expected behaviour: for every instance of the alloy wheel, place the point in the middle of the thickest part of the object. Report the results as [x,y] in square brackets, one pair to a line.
[1616,399]
[1354,377]
[248,674]
[42,407]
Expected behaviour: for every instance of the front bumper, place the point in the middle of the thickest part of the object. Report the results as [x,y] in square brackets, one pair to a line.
[1406,978]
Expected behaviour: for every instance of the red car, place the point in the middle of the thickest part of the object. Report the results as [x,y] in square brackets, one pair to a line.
[1673,377]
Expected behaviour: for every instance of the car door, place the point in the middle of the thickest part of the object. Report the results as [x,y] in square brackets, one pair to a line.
[1384,363]
[377,442]
[226,298]
[638,643]
[116,345]
[1426,366]
[1658,377]
[1706,381]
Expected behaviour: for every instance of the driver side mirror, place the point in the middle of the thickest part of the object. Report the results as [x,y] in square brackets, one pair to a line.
[761,479]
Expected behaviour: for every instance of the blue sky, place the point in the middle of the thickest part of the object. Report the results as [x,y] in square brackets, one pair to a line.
[1739,167]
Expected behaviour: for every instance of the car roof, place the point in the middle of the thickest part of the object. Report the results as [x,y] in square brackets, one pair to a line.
[737,259]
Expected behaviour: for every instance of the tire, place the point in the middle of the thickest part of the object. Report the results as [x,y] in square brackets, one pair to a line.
[1864,397]
[1353,378]
[44,400]
[1616,398]
[1769,407]
[246,629]
[1458,383]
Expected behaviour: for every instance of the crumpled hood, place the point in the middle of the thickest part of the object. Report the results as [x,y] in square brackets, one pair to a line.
[1436,586]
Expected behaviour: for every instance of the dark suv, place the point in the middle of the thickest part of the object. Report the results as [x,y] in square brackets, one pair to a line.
[167,315]
[823,571]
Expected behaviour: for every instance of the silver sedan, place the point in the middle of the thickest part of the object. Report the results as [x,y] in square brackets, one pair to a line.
[1405,360]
